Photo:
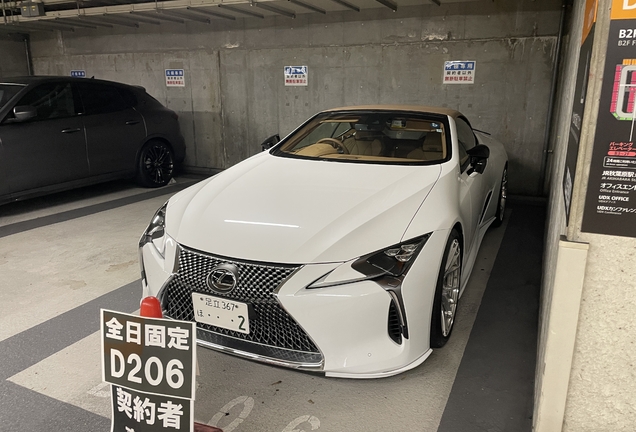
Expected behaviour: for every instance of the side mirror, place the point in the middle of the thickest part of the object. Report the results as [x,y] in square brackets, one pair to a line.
[24,112]
[270,142]
[479,158]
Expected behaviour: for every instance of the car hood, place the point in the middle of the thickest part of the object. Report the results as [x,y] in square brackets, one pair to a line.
[288,210]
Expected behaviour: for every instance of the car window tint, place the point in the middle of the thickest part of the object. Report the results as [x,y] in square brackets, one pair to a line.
[52,100]
[463,156]
[324,130]
[129,97]
[375,136]
[101,98]
[7,92]
[465,134]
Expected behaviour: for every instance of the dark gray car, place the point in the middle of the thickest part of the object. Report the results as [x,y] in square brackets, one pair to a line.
[58,133]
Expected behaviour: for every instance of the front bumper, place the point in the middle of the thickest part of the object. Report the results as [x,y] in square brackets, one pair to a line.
[346,325]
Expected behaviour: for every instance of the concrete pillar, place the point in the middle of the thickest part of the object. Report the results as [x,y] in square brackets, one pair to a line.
[13,55]
[586,366]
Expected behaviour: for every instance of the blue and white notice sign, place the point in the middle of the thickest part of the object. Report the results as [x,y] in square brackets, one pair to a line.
[459,72]
[175,78]
[78,74]
[296,75]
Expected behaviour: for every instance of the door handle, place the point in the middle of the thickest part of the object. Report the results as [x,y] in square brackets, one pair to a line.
[71,130]
[132,122]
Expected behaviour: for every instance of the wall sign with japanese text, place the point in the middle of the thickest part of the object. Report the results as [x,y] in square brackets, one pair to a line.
[610,202]
[296,75]
[175,78]
[459,72]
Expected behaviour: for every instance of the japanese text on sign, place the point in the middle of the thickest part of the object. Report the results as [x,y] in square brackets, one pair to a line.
[78,74]
[175,78]
[296,75]
[150,355]
[459,72]
[140,412]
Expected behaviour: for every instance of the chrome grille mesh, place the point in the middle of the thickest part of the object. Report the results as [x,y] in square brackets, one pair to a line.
[270,324]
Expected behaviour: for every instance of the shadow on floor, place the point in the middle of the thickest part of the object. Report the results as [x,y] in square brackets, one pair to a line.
[493,389]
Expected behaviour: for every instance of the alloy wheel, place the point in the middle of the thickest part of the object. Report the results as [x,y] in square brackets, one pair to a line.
[158,163]
[450,287]
[504,193]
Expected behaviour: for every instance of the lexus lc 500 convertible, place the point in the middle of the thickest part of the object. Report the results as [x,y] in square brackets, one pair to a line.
[342,249]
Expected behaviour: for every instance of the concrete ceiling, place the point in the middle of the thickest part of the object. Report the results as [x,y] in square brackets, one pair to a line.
[68,15]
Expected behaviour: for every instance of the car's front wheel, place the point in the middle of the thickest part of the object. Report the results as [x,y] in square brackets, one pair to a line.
[447,292]
[155,165]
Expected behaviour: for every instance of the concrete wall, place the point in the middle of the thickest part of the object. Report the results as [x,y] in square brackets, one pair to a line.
[556,223]
[13,61]
[599,388]
[235,94]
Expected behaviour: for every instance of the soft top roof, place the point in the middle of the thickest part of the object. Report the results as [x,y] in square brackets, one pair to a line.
[413,108]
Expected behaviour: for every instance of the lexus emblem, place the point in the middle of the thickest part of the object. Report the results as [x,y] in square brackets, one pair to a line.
[223,278]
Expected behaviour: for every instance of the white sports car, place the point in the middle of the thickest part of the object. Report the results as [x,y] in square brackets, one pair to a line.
[343,249]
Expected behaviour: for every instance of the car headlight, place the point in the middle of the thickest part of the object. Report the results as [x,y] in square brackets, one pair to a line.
[156,231]
[392,261]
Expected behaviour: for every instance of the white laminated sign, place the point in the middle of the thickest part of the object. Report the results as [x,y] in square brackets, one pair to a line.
[296,75]
[175,78]
[459,72]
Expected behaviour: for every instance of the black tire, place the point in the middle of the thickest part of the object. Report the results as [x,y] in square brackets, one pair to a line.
[503,196]
[449,279]
[155,166]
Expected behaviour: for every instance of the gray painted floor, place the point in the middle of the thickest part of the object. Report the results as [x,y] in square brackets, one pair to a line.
[64,257]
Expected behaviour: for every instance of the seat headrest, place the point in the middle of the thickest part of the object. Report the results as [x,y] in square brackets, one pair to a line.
[365,135]
[433,142]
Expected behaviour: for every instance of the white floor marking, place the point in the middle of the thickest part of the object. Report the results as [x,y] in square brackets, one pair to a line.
[101,390]
[313,422]
[72,262]
[248,405]
[73,375]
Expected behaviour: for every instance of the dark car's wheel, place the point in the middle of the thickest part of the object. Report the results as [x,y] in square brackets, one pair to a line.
[156,164]
[447,292]
[503,195]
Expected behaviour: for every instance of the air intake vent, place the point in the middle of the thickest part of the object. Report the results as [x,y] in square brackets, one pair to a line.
[395,330]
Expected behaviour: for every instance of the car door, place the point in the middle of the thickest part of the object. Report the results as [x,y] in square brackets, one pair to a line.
[48,149]
[472,185]
[114,129]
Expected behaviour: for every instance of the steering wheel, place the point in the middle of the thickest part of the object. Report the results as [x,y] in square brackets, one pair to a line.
[335,144]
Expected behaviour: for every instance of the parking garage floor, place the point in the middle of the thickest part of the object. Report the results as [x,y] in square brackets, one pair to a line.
[65,256]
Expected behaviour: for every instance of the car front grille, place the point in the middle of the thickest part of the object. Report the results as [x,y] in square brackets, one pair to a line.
[270,325]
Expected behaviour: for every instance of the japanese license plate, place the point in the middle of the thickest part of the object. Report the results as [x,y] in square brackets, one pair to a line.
[221,312]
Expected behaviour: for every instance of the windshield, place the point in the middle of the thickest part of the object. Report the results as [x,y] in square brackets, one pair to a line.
[7,91]
[371,136]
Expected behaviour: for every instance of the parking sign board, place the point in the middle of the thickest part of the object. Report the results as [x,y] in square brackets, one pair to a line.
[296,75]
[151,355]
[459,72]
[142,412]
[175,78]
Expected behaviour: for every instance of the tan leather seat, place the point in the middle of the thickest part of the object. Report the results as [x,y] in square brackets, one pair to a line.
[432,148]
[364,144]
